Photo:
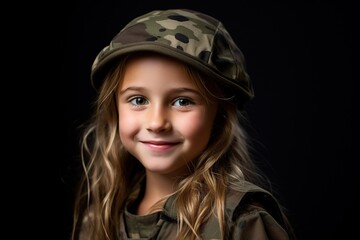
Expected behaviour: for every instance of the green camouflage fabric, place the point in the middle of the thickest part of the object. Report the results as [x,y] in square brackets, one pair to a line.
[190,36]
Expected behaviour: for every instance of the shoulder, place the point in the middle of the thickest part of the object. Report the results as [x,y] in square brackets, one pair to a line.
[251,195]
[255,213]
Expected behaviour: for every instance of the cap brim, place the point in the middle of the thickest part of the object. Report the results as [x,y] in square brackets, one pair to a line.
[99,71]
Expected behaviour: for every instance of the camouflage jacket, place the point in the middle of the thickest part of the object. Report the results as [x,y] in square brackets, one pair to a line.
[255,214]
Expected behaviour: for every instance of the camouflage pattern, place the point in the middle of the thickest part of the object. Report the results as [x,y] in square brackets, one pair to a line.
[193,37]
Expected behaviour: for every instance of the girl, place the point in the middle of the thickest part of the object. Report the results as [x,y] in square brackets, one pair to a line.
[165,155]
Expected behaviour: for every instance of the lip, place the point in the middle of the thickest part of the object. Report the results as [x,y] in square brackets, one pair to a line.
[160,146]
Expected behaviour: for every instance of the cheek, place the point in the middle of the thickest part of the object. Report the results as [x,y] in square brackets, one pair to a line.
[196,127]
[127,125]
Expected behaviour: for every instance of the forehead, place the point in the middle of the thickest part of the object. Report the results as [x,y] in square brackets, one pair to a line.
[152,69]
[150,62]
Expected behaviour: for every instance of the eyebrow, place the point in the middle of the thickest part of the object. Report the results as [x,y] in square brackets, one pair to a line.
[173,90]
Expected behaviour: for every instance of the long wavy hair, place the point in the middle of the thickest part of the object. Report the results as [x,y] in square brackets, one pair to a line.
[111,174]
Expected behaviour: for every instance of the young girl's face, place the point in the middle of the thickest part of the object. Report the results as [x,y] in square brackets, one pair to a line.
[164,121]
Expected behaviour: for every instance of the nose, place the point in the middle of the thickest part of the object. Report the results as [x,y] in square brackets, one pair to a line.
[158,119]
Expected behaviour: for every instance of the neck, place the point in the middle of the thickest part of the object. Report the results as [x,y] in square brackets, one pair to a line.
[157,188]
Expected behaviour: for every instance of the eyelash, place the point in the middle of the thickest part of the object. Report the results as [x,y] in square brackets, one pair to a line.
[135,101]
[187,101]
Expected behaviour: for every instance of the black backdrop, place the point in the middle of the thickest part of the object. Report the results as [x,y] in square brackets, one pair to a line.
[299,56]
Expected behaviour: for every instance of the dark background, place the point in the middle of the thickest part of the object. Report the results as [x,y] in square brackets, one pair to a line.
[299,55]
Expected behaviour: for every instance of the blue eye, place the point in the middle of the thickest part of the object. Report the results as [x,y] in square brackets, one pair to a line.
[183,102]
[138,101]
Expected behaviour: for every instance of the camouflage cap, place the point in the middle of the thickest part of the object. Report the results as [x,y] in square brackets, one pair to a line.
[190,36]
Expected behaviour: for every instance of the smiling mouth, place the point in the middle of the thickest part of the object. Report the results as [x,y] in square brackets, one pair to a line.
[159,146]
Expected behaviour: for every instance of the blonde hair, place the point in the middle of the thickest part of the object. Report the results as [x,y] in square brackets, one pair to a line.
[111,174]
